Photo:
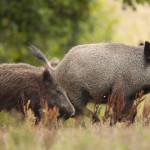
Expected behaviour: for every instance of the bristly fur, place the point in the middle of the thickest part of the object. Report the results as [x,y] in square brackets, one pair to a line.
[22,82]
[98,68]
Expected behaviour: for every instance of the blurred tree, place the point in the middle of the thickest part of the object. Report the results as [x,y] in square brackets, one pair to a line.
[55,26]
[133,3]
[31,21]
[99,27]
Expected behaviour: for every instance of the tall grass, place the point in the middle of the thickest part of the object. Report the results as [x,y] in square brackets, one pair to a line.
[17,133]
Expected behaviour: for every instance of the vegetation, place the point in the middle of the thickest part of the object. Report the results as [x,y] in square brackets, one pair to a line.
[17,133]
[95,137]
[133,3]
[54,26]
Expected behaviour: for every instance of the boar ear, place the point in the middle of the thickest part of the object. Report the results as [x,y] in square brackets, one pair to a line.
[141,44]
[147,49]
[47,77]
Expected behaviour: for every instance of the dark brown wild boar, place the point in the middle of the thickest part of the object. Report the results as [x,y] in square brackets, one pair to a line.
[22,82]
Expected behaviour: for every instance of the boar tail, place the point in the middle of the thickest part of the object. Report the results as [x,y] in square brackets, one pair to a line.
[38,53]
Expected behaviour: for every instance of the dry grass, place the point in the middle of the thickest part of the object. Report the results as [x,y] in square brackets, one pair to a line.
[22,134]
[18,134]
[114,110]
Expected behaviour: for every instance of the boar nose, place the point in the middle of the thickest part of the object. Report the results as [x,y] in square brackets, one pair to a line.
[73,113]
[68,112]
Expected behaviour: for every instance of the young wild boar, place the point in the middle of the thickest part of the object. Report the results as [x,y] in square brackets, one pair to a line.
[98,68]
[22,82]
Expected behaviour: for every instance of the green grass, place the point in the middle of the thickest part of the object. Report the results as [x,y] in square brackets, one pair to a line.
[21,134]
[92,137]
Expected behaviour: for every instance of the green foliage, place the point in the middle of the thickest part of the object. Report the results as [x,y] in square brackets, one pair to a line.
[48,21]
[53,26]
[22,138]
[132,3]
[10,118]
[99,27]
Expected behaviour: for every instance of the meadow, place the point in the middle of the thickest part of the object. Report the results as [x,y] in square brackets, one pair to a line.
[17,133]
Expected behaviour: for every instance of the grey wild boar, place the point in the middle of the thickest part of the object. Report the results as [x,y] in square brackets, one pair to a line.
[22,82]
[98,68]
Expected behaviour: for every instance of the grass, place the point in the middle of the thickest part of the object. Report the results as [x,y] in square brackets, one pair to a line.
[26,136]
[17,133]
[104,137]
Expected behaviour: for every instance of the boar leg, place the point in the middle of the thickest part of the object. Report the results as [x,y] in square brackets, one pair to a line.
[37,114]
[79,117]
[126,113]
[90,114]
[85,111]
[79,100]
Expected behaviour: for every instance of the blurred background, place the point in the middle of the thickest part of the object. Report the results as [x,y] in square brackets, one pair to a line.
[55,26]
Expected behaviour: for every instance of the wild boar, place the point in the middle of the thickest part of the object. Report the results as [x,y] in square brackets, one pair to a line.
[98,68]
[22,82]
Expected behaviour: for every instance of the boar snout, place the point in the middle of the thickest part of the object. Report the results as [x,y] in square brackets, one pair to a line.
[67,111]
